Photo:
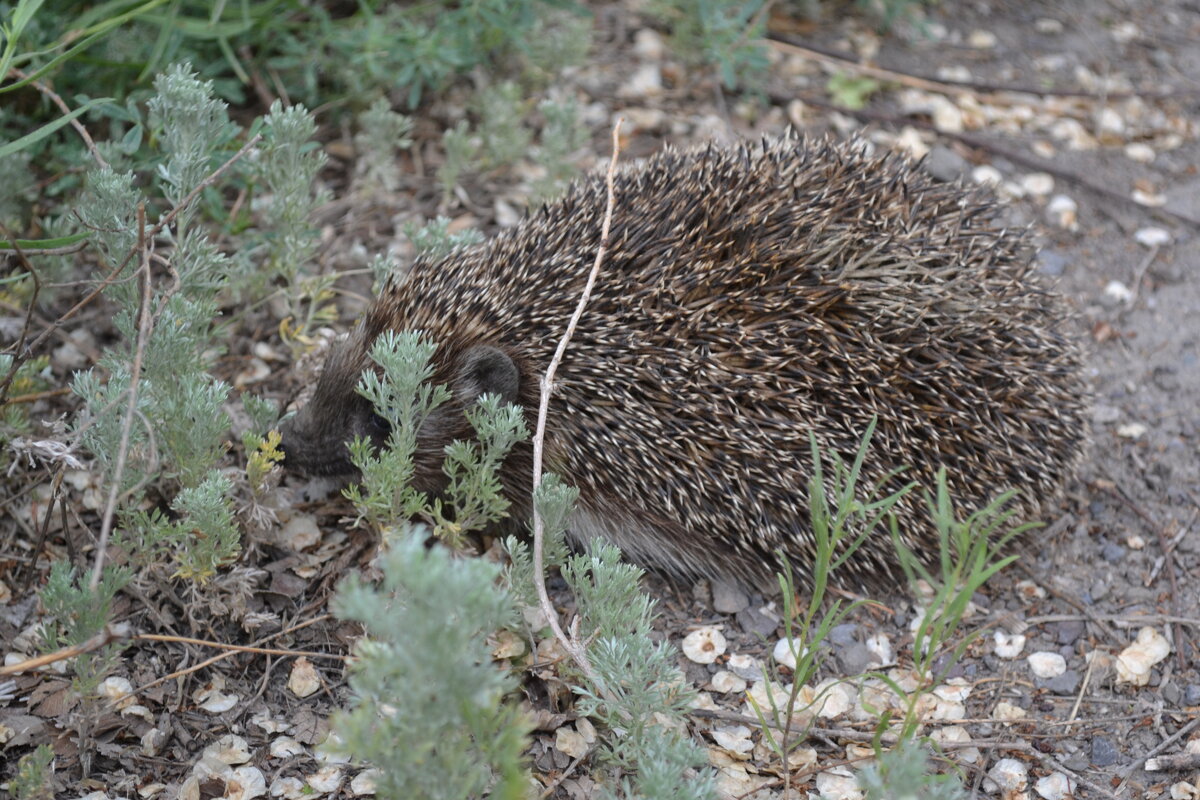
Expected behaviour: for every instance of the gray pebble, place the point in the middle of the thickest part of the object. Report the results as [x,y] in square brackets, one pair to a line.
[754,622]
[1191,694]
[944,164]
[843,635]
[1067,632]
[1051,262]
[728,597]
[1076,762]
[1165,378]
[1065,684]
[856,659]
[1104,752]
[1112,552]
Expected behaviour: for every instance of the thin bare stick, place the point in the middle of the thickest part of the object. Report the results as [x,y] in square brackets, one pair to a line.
[220,657]
[108,635]
[135,375]
[62,105]
[204,184]
[571,644]
[240,648]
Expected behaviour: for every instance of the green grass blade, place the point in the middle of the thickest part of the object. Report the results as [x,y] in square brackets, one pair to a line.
[44,244]
[36,136]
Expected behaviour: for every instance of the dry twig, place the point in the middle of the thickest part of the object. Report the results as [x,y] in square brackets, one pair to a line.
[571,644]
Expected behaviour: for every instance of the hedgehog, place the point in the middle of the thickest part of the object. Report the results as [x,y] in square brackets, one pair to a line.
[753,298]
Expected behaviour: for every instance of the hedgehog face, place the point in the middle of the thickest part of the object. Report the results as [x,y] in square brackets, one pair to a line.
[315,439]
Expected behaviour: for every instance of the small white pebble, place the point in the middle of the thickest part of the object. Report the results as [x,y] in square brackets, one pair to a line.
[1048,26]
[229,749]
[946,115]
[704,645]
[881,647]
[981,40]
[1038,184]
[1125,31]
[1063,212]
[568,741]
[646,81]
[726,682]
[1007,712]
[246,783]
[735,739]
[1139,152]
[784,653]
[1109,121]
[1132,430]
[1055,786]
[834,698]
[1009,775]
[1148,199]
[364,782]
[1152,237]
[1118,291]
[648,45]
[835,786]
[285,747]
[325,780]
[1008,645]
[745,666]
[1029,591]
[304,679]
[987,175]
[1045,664]
[954,72]
[1185,791]
[1044,148]
[1135,542]
[1135,662]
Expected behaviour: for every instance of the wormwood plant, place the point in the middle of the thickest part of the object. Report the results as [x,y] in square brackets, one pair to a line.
[429,706]
[167,333]
[644,696]
[725,34]
[902,773]
[381,133]
[417,684]
[33,780]
[77,612]
[503,136]
[404,398]
[434,241]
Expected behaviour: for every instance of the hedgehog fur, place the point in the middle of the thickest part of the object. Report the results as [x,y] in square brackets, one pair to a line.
[751,297]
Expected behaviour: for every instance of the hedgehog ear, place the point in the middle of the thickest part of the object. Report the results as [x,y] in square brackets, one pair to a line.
[486,370]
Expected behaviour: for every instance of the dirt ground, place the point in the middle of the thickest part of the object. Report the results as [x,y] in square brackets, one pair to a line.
[1108,106]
